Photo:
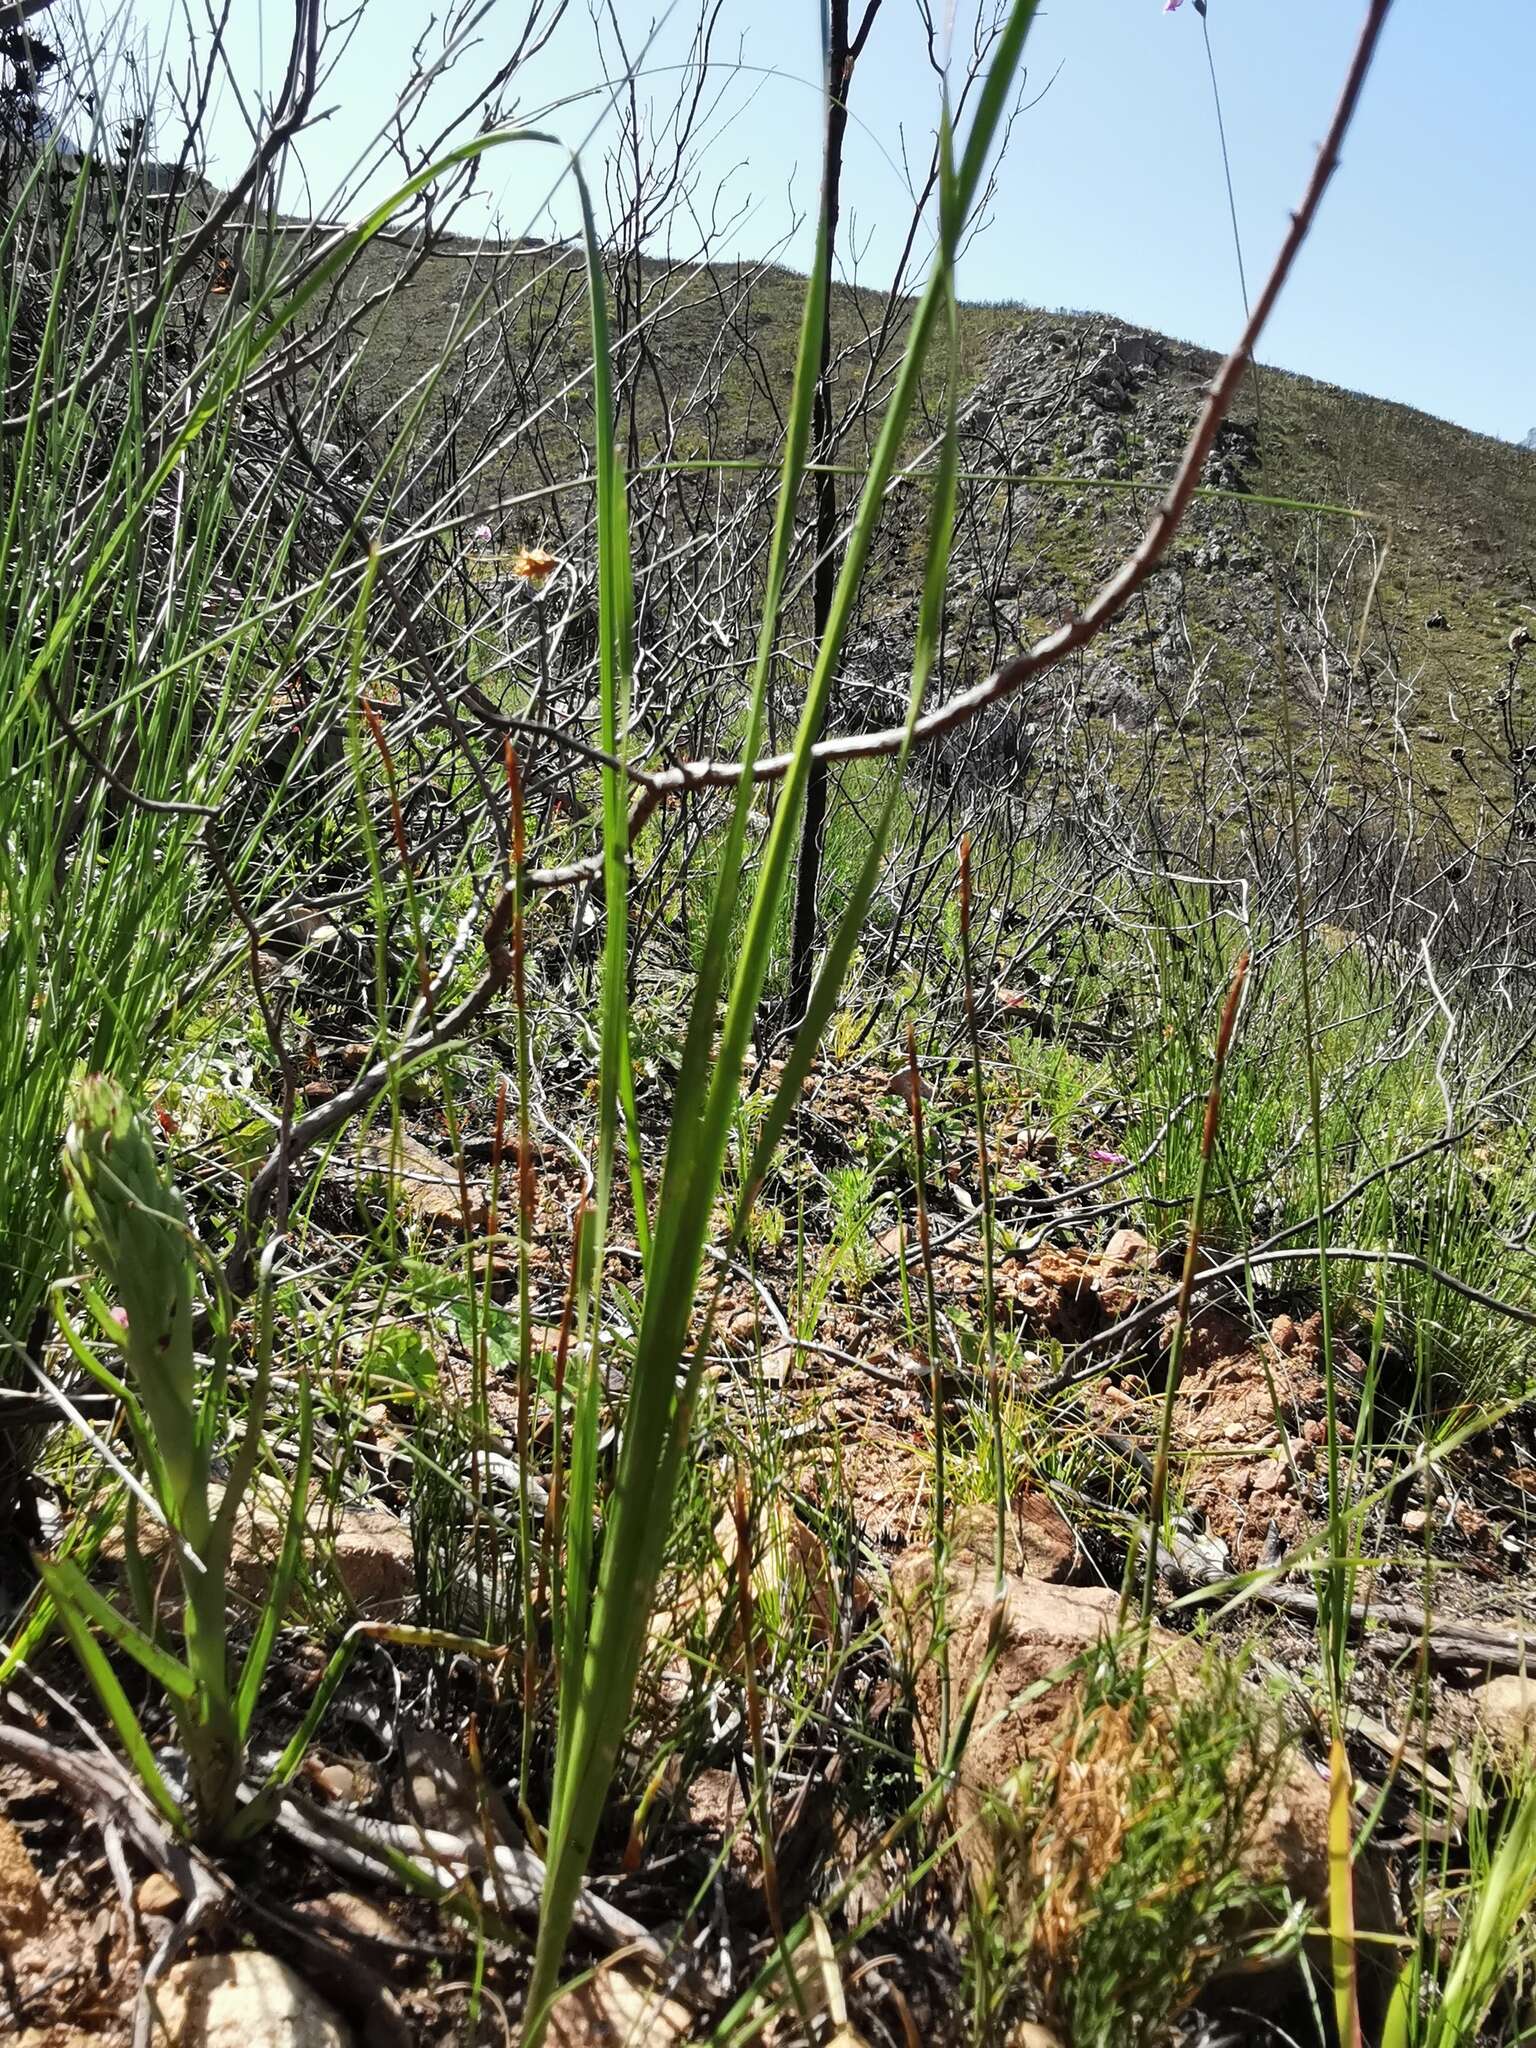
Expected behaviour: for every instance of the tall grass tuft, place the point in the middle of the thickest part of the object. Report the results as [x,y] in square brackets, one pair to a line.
[602,1642]
[1441,2005]
[163,576]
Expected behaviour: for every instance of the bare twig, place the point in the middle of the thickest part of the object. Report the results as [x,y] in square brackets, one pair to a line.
[1454,1645]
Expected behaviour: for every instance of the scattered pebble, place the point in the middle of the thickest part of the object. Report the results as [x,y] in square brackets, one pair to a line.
[158,1895]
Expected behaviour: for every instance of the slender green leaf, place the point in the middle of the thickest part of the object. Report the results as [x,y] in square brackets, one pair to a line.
[275,1605]
[71,1587]
[113,1699]
[595,1704]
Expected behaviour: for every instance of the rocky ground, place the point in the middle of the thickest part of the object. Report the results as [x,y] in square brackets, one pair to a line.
[306,1941]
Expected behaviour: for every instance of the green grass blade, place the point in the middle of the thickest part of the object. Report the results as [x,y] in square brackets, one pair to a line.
[615,665]
[284,1577]
[654,1433]
[71,1588]
[838,957]
[1496,1931]
[693,1070]
[113,1699]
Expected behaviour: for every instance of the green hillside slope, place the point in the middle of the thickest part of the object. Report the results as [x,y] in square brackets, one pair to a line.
[1390,614]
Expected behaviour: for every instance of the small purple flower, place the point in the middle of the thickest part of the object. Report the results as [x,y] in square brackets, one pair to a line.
[1097,1152]
[1172,6]
[483,536]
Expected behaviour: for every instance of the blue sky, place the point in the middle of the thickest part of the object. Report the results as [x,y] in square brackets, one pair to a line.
[1419,284]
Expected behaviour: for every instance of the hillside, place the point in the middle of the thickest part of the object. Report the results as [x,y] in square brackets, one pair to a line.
[1435,526]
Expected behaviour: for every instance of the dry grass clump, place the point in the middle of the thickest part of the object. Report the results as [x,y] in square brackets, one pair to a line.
[1126,1881]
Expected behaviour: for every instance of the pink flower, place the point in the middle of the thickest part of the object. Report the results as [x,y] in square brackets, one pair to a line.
[1172,6]
[1097,1152]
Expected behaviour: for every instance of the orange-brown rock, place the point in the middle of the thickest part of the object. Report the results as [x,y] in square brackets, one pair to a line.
[1031,1697]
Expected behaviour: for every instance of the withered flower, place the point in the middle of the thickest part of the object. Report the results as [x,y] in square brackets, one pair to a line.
[534,566]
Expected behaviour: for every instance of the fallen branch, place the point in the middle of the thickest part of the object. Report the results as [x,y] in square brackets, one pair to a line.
[1445,1644]
[513,1879]
[104,1788]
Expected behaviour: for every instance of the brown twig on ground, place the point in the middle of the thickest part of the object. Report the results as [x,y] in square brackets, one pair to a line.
[112,1795]
[1446,1644]
[364,1846]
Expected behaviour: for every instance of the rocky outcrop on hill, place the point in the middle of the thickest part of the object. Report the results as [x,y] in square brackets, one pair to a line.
[1342,552]
[1073,417]
[1111,402]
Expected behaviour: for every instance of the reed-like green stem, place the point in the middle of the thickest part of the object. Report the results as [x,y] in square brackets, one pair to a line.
[1157,1505]
[988,1213]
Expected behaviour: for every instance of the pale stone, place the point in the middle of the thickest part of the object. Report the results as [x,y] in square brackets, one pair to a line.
[157,1894]
[347,1916]
[242,2000]
[426,1189]
[1038,1540]
[1506,1706]
[1126,1250]
[373,1557]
